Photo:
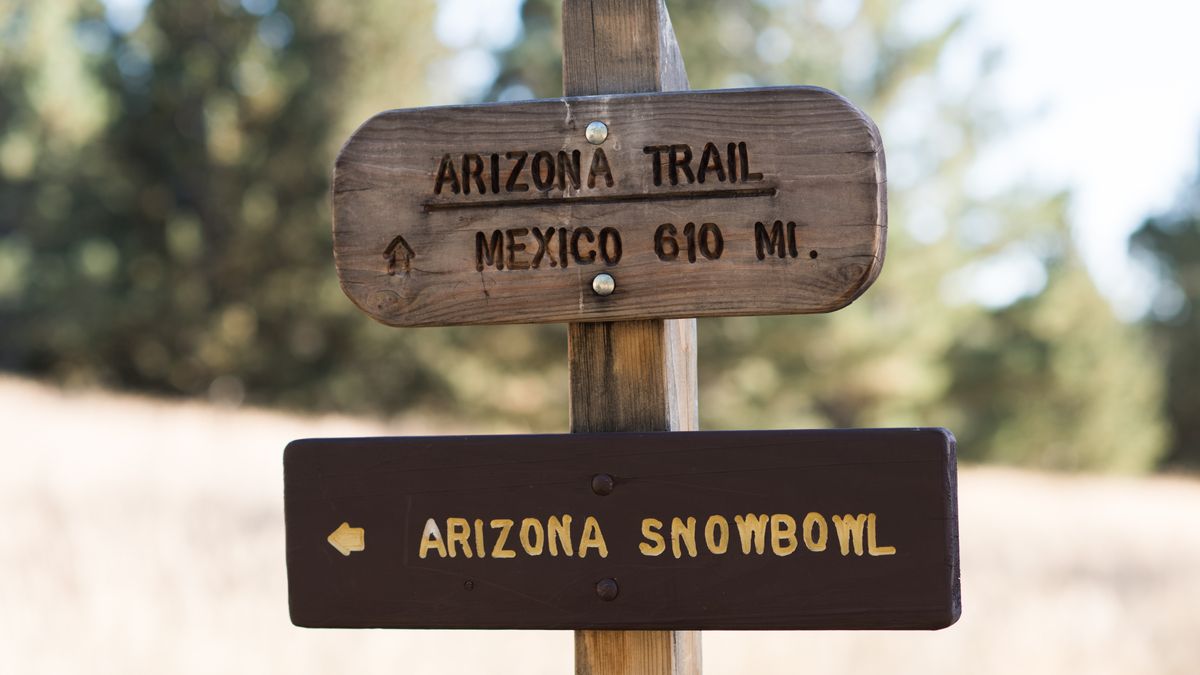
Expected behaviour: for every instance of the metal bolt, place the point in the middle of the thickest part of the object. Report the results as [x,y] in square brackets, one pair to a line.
[596,132]
[602,484]
[607,589]
[469,585]
[604,284]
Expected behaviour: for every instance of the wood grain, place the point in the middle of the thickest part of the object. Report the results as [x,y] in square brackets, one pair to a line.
[619,47]
[801,228]
[647,652]
[391,487]
[633,376]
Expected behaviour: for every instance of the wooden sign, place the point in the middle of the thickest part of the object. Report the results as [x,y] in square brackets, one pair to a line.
[684,530]
[716,203]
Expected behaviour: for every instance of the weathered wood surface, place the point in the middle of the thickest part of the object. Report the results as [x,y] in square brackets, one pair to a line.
[643,652]
[633,376]
[880,551]
[619,47]
[478,214]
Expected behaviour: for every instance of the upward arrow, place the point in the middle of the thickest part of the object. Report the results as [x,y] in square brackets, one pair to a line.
[398,248]
[347,539]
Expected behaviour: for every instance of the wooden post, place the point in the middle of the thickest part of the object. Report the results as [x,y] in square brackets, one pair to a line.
[629,375]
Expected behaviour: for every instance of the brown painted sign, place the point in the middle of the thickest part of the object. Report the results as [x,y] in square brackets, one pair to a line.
[716,203]
[685,530]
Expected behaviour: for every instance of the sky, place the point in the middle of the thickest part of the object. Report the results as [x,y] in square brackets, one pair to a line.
[1114,90]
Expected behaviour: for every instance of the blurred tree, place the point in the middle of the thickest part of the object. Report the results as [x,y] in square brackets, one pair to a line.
[164,204]
[1049,381]
[1044,375]
[1170,242]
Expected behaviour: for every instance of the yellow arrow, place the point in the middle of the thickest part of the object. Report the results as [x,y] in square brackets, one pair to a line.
[347,539]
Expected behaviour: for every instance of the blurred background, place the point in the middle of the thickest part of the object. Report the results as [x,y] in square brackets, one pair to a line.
[170,317]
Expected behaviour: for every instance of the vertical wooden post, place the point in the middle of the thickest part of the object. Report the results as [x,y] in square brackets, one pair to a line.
[629,375]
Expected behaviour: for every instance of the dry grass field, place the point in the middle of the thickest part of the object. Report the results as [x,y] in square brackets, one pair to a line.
[147,537]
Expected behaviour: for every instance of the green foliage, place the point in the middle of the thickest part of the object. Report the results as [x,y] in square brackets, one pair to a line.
[1055,381]
[164,226]
[178,242]
[1171,244]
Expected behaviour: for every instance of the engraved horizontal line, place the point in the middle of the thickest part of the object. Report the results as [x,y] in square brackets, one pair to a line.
[731,193]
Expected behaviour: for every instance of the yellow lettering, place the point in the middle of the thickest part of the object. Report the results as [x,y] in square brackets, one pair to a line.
[752,530]
[559,531]
[480,549]
[650,528]
[685,532]
[871,547]
[716,545]
[458,530]
[498,550]
[532,525]
[592,538]
[818,520]
[783,534]
[431,538]
[850,530]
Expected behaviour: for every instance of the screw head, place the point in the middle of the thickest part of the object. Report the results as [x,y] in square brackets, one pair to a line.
[607,589]
[603,484]
[604,284]
[596,132]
